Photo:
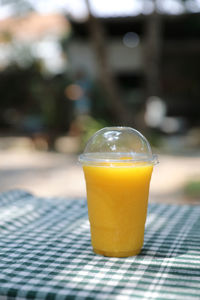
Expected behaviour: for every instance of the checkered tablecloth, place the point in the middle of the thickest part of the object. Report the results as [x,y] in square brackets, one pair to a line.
[45,253]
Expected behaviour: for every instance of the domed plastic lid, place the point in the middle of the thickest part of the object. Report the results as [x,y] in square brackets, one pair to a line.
[117,144]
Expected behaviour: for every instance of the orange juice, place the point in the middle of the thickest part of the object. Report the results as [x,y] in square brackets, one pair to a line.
[117,195]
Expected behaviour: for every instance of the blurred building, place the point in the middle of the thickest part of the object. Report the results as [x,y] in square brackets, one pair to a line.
[179,60]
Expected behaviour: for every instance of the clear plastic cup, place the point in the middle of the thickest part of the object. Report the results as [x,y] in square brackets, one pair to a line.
[117,164]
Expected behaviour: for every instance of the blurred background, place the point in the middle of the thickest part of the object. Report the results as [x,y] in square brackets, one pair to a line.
[71,67]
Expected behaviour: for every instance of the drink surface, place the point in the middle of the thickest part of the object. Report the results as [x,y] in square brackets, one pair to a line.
[117,195]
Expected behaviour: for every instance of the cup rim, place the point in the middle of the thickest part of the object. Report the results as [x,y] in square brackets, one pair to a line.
[93,159]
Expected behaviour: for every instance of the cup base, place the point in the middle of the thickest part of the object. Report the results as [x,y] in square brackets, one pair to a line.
[117,253]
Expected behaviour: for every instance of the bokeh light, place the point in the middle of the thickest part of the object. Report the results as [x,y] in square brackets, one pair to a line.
[131,39]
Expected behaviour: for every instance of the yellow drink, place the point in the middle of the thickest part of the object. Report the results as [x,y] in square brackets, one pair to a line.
[117,195]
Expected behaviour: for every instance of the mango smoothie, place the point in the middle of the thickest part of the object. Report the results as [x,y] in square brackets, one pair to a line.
[117,196]
[117,164]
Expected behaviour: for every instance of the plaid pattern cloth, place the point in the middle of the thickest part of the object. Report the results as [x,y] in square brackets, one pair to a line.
[45,253]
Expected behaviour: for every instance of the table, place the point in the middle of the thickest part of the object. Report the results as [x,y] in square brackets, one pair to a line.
[45,253]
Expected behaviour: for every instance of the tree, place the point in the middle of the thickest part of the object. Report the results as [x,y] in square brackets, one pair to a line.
[98,38]
[152,52]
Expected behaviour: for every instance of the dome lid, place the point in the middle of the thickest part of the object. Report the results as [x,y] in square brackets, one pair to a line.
[114,144]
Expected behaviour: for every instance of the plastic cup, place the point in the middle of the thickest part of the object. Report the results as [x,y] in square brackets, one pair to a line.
[117,164]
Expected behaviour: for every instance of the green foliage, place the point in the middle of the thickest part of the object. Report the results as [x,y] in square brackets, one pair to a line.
[192,189]
[90,126]
[154,138]
[26,93]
